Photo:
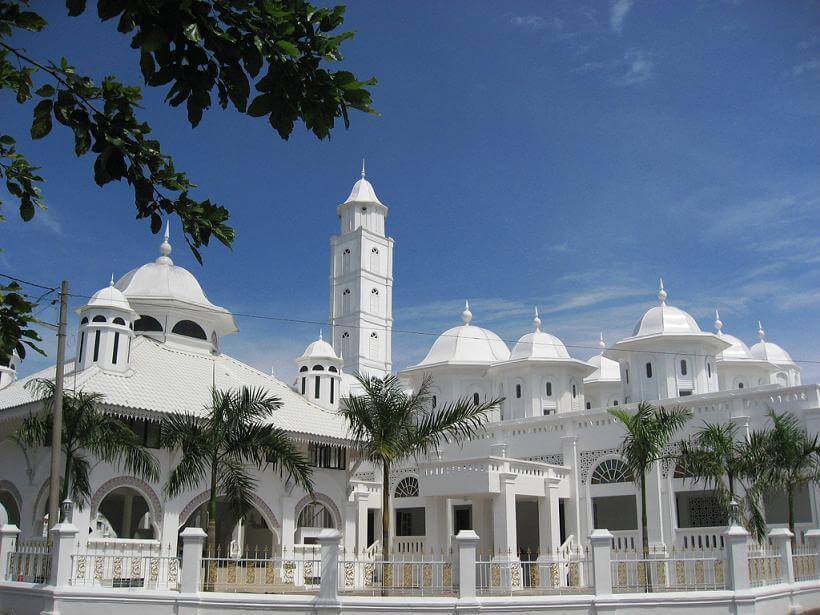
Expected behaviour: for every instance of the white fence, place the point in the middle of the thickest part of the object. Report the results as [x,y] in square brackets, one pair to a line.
[679,570]
[419,575]
[29,562]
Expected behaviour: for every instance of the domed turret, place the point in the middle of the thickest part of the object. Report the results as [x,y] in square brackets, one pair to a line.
[106,330]
[320,374]
[466,345]
[787,373]
[602,388]
[736,366]
[362,209]
[539,345]
[172,306]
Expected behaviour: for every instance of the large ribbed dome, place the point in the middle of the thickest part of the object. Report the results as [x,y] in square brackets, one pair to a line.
[738,351]
[767,351]
[319,349]
[539,345]
[467,344]
[665,319]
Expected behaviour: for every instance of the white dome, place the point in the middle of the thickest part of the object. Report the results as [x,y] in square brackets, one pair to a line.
[738,351]
[665,319]
[363,192]
[539,345]
[109,297]
[467,344]
[767,351]
[319,349]
[605,370]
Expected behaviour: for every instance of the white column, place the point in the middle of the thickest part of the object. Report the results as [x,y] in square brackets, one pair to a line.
[361,520]
[127,515]
[737,547]
[63,536]
[601,541]
[781,538]
[351,511]
[288,523]
[654,509]
[549,525]
[329,541]
[504,526]
[572,510]
[8,542]
[466,541]
[193,539]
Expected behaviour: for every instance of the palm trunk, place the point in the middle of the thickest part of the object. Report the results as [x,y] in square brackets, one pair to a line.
[66,479]
[212,513]
[386,511]
[790,494]
[645,532]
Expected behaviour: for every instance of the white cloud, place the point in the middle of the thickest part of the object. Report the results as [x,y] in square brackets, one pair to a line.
[536,22]
[48,220]
[805,67]
[618,13]
[637,67]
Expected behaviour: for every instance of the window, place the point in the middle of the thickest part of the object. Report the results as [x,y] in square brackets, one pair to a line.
[740,385]
[332,369]
[304,381]
[119,321]
[318,368]
[346,300]
[549,389]
[148,324]
[82,345]
[574,392]
[683,367]
[518,391]
[147,432]
[96,345]
[408,487]
[615,402]
[547,411]
[317,515]
[98,319]
[317,387]
[410,522]
[189,328]
[588,406]
[327,456]
[708,369]
[345,344]
[374,345]
[435,402]
[116,347]
[346,260]
[610,471]
[374,260]
[685,393]
[626,373]
[304,368]
[84,321]
[476,399]
[648,370]
[332,390]
[374,300]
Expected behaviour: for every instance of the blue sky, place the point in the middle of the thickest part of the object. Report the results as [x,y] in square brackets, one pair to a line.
[559,154]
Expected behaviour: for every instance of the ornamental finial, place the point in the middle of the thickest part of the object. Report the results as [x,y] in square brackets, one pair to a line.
[466,315]
[761,334]
[536,321]
[363,175]
[165,246]
[601,343]
[662,293]
[111,282]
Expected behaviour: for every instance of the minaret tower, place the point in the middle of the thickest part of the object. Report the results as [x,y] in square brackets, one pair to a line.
[361,283]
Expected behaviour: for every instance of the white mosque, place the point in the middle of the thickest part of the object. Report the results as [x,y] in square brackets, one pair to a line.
[545,472]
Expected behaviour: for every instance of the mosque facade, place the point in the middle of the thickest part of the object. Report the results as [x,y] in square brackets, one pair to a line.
[545,471]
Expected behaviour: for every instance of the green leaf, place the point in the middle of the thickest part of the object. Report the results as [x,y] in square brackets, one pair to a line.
[6,139]
[261,105]
[42,119]
[191,32]
[30,21]
[289,48]
[46,91]
[26,210]
[75,7]
[154,40]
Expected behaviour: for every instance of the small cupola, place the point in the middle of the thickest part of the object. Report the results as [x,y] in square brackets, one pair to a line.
[106,331]
[8,369]
[320,374]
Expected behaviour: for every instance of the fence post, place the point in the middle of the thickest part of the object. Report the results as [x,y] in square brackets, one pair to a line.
[8,542]
[329,540]
[781,538]
[193,539]
[63,538]
[813,536]
[737,551]
[601,541]
[466,541]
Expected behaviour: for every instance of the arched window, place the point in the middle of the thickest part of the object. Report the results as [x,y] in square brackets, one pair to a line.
[574,391]
[740,385]
[374,345]
[113,520]
[476,399]
[332,369]
[304,383]
[317,387]
[84,321]
[304,368]
[374,300]
[374,260]
[648,370]
[346,300]
[147,323]
[82,345]
[626,373]
[346,260]
[518,391]
[318,368]
[589,405]
[708,369]
[684,368]
[116,348]
[332,390]
[316,515]
[548,389]
[189,328]
[435,402]
[615,402]
[98,319]
[345,344]
[408,487]
[96,346]
[119,321]
[610,471]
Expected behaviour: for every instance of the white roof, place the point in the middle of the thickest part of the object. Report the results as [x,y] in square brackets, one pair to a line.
[606,370]
[665,319]
[166,380]
[738,351]
[768,351]
[539,345]
[109,297]
[363,192]
[467,344]
[319,349]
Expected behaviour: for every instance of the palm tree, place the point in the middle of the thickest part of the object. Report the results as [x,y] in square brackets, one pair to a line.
[86,429]
[219,446]
[390,425]
[716,456]
[648,432]
[790,456]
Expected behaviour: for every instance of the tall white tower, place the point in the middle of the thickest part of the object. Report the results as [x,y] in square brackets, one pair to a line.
[361,284]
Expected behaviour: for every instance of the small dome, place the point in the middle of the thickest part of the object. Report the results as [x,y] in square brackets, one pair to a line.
[319,349]
[539,345]
[665,319]
[767,351]
[363,191]
[605,370]
[109,297]
[738,351]
[467,344]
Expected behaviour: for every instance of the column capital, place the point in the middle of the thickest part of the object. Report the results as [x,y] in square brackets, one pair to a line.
[601,536]
[192,534]
[780,534]
[736,533]
[329,537]
[9,529]
[466,537]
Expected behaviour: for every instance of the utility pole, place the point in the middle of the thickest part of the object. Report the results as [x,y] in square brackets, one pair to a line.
[57,413]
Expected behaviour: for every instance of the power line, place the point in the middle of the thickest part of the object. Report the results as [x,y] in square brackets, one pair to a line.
[285,319]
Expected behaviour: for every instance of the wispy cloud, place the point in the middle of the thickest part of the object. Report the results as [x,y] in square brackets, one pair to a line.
[805,67]
[617,14]
[49,221]
[537,22]
[634,67]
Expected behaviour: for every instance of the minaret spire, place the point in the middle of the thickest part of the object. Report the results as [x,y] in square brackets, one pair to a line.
[718,322]
[363,174]
[536,320]
[662,293]
[165,247]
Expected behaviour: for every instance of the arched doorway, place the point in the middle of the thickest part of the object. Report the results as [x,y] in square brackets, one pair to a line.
[124,513]
[313,518]
[614,502]
[235,534]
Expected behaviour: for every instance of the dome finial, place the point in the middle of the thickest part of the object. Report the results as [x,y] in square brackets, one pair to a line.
[761,334]
[466,315]
[165,246]
[363,175]
[662,293]
[718,322]
[320,334]
[536,321]
[601,343]
[111,283]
